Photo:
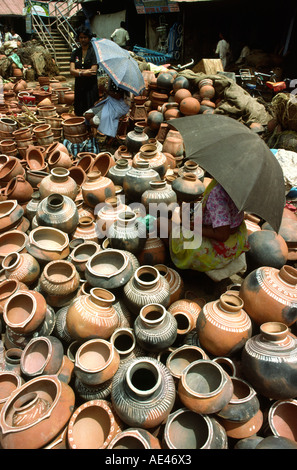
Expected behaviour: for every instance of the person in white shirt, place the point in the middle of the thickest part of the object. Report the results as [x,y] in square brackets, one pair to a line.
[223,50]
[121,36]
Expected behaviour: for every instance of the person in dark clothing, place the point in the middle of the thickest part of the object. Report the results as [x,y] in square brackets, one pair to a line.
[83,66]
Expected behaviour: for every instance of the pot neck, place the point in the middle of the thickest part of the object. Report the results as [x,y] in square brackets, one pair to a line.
[102,297]
[158,185]
[230,303]
[143,379]
[147,277]
[288,274]
[274,331]
[60,174]
[55,202]
[153,315]
[11,261]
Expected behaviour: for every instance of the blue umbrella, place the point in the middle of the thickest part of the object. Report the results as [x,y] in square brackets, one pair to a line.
[119,65]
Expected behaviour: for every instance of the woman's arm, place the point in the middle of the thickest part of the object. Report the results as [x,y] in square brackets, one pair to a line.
[220,234]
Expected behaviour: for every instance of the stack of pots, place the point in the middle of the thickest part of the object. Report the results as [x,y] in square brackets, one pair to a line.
[75,129]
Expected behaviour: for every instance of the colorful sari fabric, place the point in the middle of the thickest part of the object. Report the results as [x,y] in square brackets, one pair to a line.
[211,254]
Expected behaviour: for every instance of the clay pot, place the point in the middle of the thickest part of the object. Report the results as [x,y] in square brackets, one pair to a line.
[59,159]
[146,286]
[243,429]
[223,326]
[12,241]
[59,212]
[55,146]
[34,177]
[139,381]
[7,124]
[9,170]
[181,94]
[59,282]
[134,438]
[42,131]
[77,174]
[267,248]
[102,163]
[173,144]
[8,287]
[188,187]
[74,126]
[109,213]
[59,181]
[122,153]
[47,140]
[137,180]
[157,160]
[86,229]
[154,119]
[22,133]
[21,267]
[181,357]
[267,355]
[10,382]
[135,139]
[159,193]
[18,188]
[48,244]
[24,311]
[11,214]
[42,356]
[124,340]
[186,313]
[99,319]
[127,233]
[41,409]
[175,282]
[94,419]
[281,420]
[195,431]
[85,160]
[96,361]
[68,97]
[109,269]
[211,389]
[269,295]
[192,167]
[81,253]
[154,252]
[97,188]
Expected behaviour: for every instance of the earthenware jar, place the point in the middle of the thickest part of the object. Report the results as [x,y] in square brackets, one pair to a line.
[22,267]
[146,286]
[195,431]
[191,166]
[137,180]
[134,438]
[267,248]
[173,143]
[181,357]
[127,233]
[59,159]
[154,252]
[34,158]
[31,206]
[109,269]
[57,211]
[243,429]
[96,361]
[117,172]
[10,381]
[124,340]
[93,425]
[143,392]
[188,188]
[102,163]
[59,182]
[8,287]
[135,139]
[11,214]
[35,413]
[48,244]
[270,354]
[81,253]
[205,387]
[155,329]
[156,159]
[175,282]
[108,213]
[269,294]
[59,282]
[42,356]
[160,192]
[281,419]
[223,326]
[92,315]
[97,188]
[25,311]
[86,229]
[18,188]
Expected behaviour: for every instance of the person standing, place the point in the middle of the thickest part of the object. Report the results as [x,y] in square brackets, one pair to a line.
[121,36]
[83,66]
[223,50]
[13,36]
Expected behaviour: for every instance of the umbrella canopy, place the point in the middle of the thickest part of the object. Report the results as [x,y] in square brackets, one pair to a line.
[119,65]
[239,160]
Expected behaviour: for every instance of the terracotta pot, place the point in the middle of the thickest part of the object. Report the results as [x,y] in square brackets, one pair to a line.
[122,153]
[47,111]
[191,166]
[42,356]
[59,212]
[73,126]
[109,269]
[86,229]
[154,252]
[11,214]
[243,429]
[223,326]
[59,159]
[196,431]
[59,181]
[273,299]
[7,124]
[34,177]
[211,389]
[54,147]
[24,311]
[69,97]
[137,180]
[175,282]
[174,143]
[100,318]
[109,213]
[271,353]
[188,188]
[154,119]
[124,340]
[181,94]
[135,438]
[42,131]
[10,382]
[157,160]
[281,420]
[19,188]
[96,361]
[186,314]
[77,174]
[97,188]
[81,253]
[85,160]
[48,244]
[94,419]
[41,409]
[267,248]
[12,241]
[127,233]
[49,139]
[8,287]
[22,267]
[180,82]
[135,139]
[102,163]
[181,357]
[143,380]
[146,286]
[22,133]
[59,282]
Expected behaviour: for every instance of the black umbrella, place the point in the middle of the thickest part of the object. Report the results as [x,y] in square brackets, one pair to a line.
[239,160]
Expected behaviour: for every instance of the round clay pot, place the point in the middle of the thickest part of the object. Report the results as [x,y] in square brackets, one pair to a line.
[59,181]
[11,214]
[282,418]
[134,438]
[48,244]
[181,357]
[81,254]
[8,287]
[97,188]
[59,282]
[19,188]
[267,248]
[102,163]
[109,269]
[42,131]
[24,311]
[42,356]
[59,159]
[92,426]
[59,212]
[12,241]
[9,382]
[127,233]
[21,266]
